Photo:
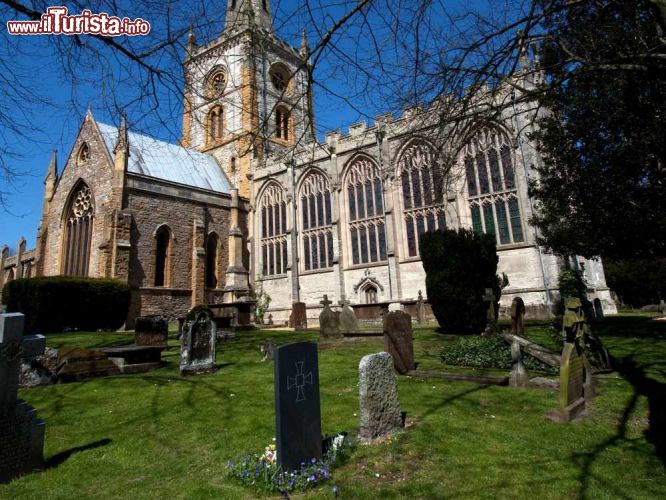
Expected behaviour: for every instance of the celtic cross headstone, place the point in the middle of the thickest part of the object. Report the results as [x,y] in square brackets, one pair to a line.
[297,411]
[21,432]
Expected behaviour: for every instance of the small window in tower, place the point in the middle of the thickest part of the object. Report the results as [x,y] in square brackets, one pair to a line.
[279,77]
[215,124]
[282,123]
[263,4]
[84,154]
[216,84]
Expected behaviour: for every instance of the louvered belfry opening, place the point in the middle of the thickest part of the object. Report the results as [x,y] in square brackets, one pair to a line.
[78,232]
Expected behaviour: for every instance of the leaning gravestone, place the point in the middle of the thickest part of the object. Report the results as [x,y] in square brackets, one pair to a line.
[151,331]
[398,340]
[297,412]
[519,376]
[298,319]
[348,321]
[329,321]
[197,351]
[573,365]
[21,432]
[378,397]
[517,316]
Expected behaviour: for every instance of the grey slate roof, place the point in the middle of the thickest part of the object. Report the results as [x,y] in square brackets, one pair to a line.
[170,162]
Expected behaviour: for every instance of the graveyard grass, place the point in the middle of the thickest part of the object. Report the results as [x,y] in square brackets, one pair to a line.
[160,435]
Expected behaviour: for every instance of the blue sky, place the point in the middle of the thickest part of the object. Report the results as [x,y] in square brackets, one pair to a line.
[49,94]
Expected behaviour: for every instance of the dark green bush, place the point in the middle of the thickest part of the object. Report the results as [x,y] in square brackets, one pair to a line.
[459,266]
[487,352]
[57,303]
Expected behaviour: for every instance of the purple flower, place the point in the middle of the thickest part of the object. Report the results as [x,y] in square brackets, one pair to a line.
[314,460]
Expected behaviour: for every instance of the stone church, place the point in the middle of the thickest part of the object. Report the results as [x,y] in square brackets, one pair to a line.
[250,201]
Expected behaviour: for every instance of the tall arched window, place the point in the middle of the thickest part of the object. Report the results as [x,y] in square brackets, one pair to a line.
[215,124]
[273,231]
[211,260]
[316,217]
[422,184]
[282,118]
[491,186]
[162,250]
[78,231]
[367,234]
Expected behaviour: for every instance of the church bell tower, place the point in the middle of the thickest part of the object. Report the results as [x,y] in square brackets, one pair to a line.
[246,93]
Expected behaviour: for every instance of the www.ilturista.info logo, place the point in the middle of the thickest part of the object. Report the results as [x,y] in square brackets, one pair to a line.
[56,21]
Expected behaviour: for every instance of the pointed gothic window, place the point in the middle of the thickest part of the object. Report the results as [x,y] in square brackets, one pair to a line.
[367,234]
[162,247]
[84,154]
[422,181]
[316,230]
[215,124]
[282,119]
[494,206]
[78,231]
[211,260]
[273,230]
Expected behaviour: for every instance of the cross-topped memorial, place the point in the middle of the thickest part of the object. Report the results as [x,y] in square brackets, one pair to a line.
[21,432]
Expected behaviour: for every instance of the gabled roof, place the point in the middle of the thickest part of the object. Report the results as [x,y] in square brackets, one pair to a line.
[170,162]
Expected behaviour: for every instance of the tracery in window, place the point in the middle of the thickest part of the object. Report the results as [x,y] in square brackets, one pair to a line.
[279,75]
[364,197]
[370,294]
[282,119]
[217,82]
[422,183]
[273,215]
[316,219]
[491,186]
[84,154]
[78,231]
[215,124]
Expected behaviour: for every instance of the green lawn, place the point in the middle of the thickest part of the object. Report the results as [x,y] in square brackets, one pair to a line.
[160,435]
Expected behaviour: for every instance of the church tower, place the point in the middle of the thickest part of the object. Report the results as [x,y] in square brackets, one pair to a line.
[246,93]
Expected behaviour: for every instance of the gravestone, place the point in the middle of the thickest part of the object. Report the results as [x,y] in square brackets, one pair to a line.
[21,432]
[77,363]
[329,320]
[151,331]
[267,350]
[297,412]
[491,316]
[420,309]
[298,319]
[598,309]
[378,398]
[519,376]
[517,316]
[398,340]
[348,321]
[573,366]
[270,320]
[197,351]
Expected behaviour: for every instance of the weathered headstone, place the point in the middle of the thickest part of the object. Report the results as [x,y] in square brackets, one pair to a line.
[298,319]
[270,320]
[348,321]
[517,316]
[297,412]
[197,352]
[598,309]
[21,432]
[77,363]
[398,340]
[420,309]
[573,364]
[378,398]
[267,350]
[519,376]
[329,320]
[151,331]
[489,299]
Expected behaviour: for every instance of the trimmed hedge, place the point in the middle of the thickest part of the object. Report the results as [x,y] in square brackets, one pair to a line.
[58,303]
[487,352]
[459,266]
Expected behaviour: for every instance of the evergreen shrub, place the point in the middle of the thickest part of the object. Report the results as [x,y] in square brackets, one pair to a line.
[459,266]
[59,303]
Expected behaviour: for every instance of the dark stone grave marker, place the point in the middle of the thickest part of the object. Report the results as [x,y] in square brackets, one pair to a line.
[21,432]
[517,316]
[77,363]
[398,340]
[297,411]
[197,351]
[298,319]
[151,331]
